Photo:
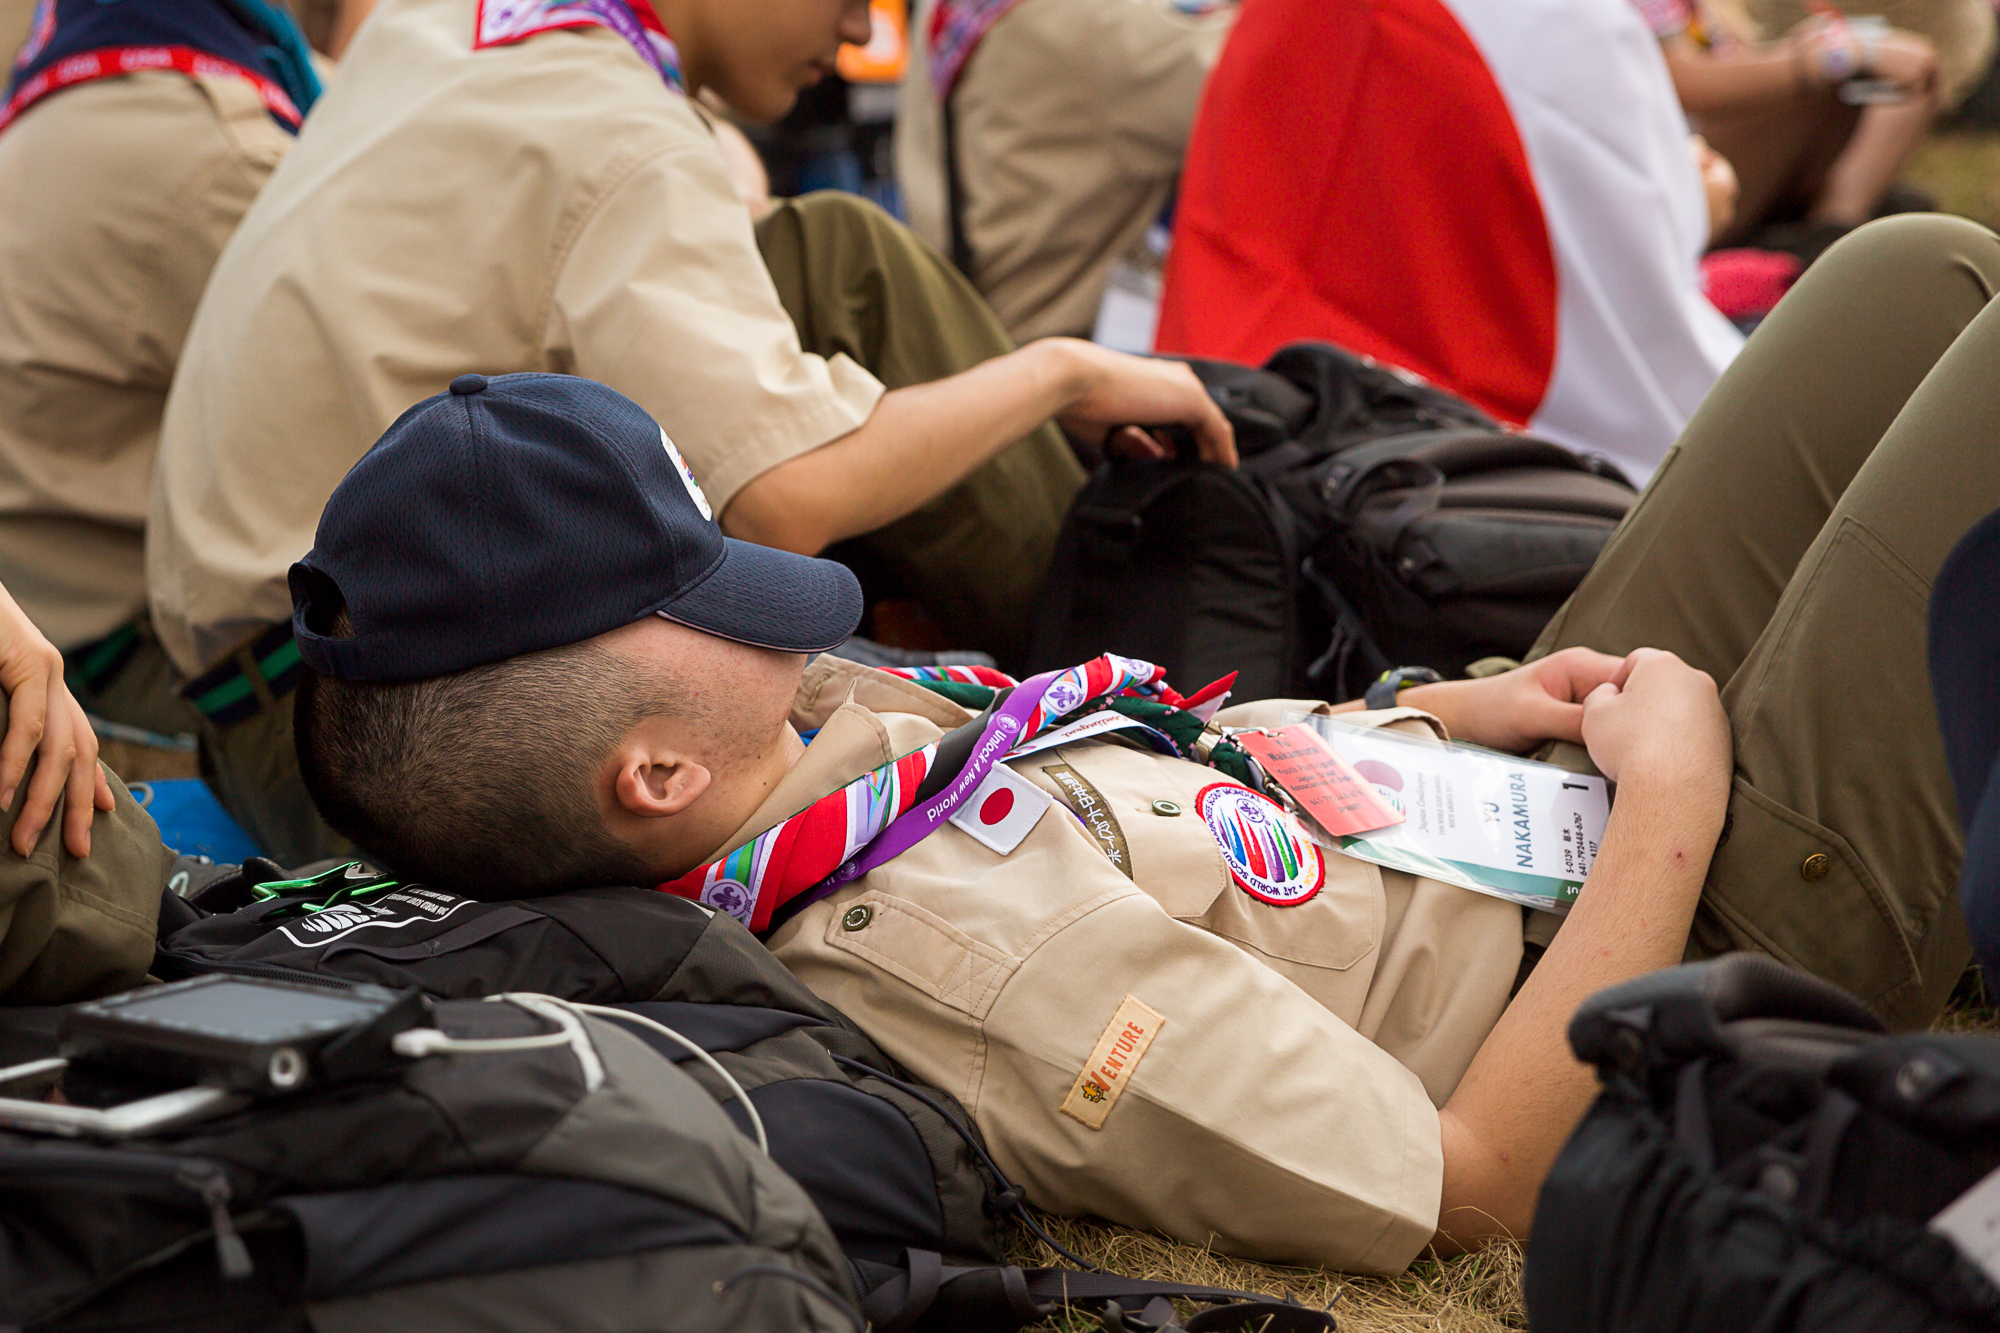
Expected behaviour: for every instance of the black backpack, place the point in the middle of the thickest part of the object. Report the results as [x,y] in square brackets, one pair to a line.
[1762,1157]
[587,1186]
[1376,521]
[897,1170]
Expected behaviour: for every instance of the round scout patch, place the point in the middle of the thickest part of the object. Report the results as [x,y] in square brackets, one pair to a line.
[1268,855]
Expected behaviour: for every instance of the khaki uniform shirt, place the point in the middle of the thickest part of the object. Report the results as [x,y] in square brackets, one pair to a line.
[16,17]
[545,206]
[119,194]
[1287,1107]
[1072,120]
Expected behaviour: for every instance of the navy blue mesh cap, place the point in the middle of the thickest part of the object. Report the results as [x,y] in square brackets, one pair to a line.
[525,512]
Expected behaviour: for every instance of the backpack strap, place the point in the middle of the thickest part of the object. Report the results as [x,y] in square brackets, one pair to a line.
[932,1294]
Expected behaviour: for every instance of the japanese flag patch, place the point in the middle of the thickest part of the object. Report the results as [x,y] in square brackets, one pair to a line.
[1002,811]
[1268,854]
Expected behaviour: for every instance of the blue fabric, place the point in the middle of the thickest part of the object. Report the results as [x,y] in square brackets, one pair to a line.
[192,822]
[255,34]
[1965,680]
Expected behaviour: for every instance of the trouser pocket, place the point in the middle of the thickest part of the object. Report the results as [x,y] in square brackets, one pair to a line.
[1785,886]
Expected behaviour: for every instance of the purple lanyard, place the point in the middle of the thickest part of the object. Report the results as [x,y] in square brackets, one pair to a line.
[1001,735]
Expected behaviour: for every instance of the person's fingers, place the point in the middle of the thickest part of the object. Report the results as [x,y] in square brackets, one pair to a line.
[1551,719]
[103,798]
[52,773]
[1575,672]
[1135,442]
[80,807]
[1214,437]
[27,710]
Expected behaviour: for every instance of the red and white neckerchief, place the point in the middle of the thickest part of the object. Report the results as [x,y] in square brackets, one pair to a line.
[504,22]
[956,29]
[837,833]
[112,62]
[958,26]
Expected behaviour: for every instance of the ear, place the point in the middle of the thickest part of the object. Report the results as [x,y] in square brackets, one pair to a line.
[655,784]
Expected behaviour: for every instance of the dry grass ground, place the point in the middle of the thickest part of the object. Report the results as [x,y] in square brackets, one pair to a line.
[1477,1293]
[1962,168]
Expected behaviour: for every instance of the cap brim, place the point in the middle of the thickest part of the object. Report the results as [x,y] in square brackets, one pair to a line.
[769,598]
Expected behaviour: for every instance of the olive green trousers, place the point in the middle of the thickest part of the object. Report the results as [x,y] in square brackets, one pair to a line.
[1787,547]
[855,280]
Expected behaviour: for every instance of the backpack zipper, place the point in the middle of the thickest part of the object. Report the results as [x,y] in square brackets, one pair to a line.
[204,1179]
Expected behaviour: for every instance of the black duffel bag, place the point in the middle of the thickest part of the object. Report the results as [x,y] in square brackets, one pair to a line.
[1763,1158]
[1376,521]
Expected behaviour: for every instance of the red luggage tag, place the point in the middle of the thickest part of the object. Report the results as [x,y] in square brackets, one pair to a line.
[1339,799]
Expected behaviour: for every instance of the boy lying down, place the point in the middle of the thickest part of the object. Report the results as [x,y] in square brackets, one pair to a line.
[534,663]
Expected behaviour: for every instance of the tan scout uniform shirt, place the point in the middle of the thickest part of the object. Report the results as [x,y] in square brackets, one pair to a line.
[1073,118]
[1285,1106]
[118,195]
[16,17]
[550,206]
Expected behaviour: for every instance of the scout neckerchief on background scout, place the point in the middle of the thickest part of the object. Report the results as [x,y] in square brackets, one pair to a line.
[883,813]
[958,26]
[72,42]
[504,22]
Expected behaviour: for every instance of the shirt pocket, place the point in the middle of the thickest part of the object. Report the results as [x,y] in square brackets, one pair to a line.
[1177,862]
[920,948]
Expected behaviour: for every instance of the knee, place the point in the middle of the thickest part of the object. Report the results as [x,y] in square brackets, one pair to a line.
[1920,247]
[836,222]
[837,213]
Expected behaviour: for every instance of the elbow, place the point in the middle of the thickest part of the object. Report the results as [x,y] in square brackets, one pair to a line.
[771,511]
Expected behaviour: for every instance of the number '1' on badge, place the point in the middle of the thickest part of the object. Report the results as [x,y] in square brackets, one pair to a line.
[1324,784]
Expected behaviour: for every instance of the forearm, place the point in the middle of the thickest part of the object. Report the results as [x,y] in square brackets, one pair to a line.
[1755,75]
[1524,1091]
[918,443]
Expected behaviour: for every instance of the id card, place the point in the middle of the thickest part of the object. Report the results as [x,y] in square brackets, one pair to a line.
[1339,799]
[1513,828]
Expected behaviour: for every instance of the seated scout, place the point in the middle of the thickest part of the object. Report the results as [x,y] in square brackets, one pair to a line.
[533,663]
[1069,119]
[533,187]
[132,138]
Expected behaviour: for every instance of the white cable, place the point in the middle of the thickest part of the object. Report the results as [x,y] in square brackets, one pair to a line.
[419,1042]
[416,1043]
[729,1080]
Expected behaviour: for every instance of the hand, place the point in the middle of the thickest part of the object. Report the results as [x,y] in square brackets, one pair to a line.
[45,723]
[1902,58]
[1658,717]
[1519,709]
[1718,182]
[1109,390]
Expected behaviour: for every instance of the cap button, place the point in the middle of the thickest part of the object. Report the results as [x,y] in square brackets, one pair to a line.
[468,384]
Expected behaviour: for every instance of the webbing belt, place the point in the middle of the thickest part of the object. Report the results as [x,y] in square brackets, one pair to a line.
[249,680]
[96,665]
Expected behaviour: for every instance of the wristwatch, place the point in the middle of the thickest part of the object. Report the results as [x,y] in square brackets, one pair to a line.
[1382,694]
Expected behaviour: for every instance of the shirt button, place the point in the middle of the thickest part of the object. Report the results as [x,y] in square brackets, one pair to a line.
[1815,867]
[1165,808]
[857,918]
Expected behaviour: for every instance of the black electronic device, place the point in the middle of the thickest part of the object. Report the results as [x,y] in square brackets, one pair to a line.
[247,1034]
